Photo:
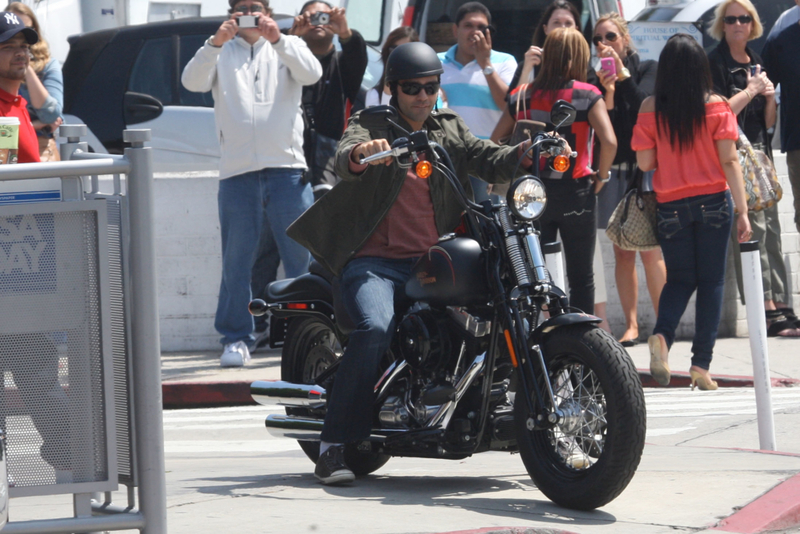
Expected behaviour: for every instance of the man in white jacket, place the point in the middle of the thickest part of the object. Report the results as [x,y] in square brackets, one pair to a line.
[256,76]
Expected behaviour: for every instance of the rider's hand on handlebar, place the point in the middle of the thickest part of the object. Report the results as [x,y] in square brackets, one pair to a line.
[369,148]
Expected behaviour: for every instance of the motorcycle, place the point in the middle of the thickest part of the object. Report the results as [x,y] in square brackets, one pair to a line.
[489,357]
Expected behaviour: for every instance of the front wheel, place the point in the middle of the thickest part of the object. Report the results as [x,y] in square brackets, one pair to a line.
[589,458]
[311,347]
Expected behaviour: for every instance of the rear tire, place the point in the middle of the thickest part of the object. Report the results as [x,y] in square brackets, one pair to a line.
[588,460]
[311,347]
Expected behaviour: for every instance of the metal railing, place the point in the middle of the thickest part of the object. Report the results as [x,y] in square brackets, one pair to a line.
[111,349]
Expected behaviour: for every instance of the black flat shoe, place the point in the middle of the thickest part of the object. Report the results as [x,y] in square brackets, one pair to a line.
[629,342]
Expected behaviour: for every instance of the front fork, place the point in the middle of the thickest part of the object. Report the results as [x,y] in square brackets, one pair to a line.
[526,360]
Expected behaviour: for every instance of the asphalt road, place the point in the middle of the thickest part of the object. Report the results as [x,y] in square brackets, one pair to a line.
[224,472]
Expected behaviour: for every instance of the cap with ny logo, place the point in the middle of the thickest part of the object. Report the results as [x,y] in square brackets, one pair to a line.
[11,25]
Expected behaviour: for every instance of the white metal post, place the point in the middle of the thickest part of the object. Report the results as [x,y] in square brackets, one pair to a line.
[754,296]
[553,260]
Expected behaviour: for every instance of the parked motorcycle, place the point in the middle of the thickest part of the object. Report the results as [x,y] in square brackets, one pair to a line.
[489,356]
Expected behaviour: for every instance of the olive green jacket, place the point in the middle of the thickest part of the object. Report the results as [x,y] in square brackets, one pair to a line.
[335,227]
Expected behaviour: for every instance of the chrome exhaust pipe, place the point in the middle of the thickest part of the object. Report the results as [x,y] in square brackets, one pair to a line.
[307,429]
[293,427]
[279,393]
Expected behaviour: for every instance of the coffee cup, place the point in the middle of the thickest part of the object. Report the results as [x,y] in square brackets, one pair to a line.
[9,139]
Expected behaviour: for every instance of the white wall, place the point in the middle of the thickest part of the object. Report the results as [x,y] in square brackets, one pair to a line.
[188,256]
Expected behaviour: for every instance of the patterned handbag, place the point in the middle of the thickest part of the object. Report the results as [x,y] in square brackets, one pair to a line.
[632,226]
[761,184]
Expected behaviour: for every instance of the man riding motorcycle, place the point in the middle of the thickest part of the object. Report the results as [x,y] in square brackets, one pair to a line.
[370,229]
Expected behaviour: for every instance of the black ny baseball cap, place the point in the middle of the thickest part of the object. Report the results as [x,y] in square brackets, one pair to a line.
[11,25]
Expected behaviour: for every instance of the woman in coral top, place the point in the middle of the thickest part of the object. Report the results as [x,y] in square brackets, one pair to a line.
[687,134]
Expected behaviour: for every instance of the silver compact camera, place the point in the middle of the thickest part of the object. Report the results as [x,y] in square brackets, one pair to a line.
[320,19]
[247,21]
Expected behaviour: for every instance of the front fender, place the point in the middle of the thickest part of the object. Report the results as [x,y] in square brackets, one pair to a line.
[564,319]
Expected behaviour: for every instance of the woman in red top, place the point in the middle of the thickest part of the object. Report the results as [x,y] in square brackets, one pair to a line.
[571,196]
[688,134]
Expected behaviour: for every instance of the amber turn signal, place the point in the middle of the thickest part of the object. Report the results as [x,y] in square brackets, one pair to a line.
[561,163]
[424,169]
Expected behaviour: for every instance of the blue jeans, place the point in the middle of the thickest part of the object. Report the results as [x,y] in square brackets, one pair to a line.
[693,233]
[246,201]
[371,287]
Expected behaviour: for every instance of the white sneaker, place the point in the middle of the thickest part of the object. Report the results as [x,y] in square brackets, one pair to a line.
[235,355]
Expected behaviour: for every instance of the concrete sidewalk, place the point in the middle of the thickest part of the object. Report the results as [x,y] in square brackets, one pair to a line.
[194,379]
[744,490]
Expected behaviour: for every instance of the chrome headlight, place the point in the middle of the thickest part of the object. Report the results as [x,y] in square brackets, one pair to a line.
[527,198]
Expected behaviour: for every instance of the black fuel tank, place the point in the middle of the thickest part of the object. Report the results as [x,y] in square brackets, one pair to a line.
[450,274]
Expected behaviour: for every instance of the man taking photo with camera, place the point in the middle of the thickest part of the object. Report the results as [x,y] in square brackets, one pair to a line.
[256,76]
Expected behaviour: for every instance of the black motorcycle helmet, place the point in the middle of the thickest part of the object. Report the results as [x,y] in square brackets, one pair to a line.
[412,60]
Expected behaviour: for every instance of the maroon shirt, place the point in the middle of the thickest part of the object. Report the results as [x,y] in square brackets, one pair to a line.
[409,229]
[15,106]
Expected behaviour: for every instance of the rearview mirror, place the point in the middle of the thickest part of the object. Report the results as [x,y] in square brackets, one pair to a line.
[378,117]
[562,114]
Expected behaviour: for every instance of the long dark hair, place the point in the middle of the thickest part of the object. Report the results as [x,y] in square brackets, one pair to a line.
[683,83]
[539,35]
[398,34]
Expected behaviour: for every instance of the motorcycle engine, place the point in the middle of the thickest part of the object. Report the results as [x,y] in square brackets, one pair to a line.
[425,340]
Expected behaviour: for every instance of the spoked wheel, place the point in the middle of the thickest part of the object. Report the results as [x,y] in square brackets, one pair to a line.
[311,347]
[590,456]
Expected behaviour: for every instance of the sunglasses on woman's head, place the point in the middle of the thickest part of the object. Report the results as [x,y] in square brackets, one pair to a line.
[743,19]
[610,37]
[413,88]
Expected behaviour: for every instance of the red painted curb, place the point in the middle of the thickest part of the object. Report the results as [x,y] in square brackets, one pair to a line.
[205,394]
[777,509]
[237,393]
[681,379]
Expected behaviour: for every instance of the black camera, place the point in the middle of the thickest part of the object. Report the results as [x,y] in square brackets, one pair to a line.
[320,19]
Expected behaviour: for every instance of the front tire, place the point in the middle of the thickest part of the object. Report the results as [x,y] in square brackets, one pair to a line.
[311,347]
[589,458]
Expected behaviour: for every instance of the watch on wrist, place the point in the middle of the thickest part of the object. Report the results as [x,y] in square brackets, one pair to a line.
[606,179]
[624,74]
[488,71]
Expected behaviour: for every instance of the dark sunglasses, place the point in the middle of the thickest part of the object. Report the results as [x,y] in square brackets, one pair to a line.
[413,88]
[610,37]
[255,8]
[743,19]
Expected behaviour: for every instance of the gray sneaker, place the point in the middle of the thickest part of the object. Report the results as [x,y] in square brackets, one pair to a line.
[331,469]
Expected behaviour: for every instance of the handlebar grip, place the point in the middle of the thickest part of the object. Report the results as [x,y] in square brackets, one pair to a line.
[257,307]
[379,155]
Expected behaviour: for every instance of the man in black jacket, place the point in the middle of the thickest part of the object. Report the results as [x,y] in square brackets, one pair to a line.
[780,61]
[325,103]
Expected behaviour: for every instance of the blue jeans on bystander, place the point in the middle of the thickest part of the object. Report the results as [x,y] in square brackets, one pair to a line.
[693,233]
[245,201]
[371,288]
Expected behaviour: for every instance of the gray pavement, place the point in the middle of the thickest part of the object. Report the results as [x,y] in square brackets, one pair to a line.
[698,468]
[732,358]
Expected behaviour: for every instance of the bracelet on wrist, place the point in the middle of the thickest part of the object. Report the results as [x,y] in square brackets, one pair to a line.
[749,96]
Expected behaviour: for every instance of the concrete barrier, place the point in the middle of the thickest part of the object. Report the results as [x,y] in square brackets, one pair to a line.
[189,268]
